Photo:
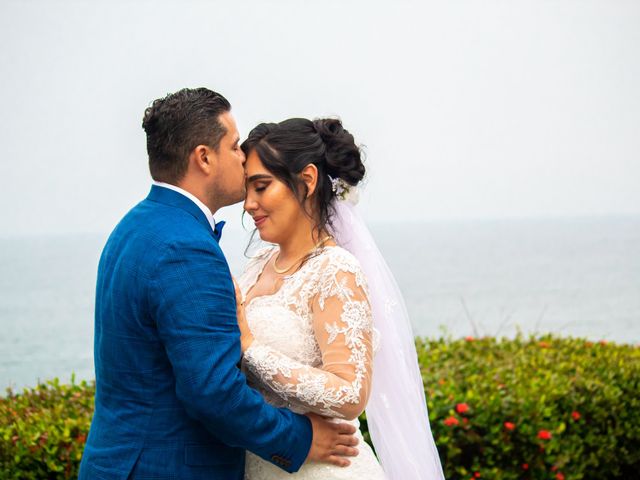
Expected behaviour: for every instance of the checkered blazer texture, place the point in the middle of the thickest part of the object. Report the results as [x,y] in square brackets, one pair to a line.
[170,401]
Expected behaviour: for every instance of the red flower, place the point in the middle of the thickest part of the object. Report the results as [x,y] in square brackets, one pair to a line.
[575,415]
[544,435]
[462,408]
[525,466]
[451,421]
[554,468]
[509,426]
[559,476]
[544,344]
[476,475]
[469,338]
[465,420]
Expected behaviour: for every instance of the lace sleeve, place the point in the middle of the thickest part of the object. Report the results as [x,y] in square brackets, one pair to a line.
[342,326]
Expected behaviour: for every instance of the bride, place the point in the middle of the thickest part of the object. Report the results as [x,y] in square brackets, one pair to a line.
[317,306]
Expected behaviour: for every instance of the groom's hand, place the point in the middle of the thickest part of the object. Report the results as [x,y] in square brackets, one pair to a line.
[332,442]
[246,337]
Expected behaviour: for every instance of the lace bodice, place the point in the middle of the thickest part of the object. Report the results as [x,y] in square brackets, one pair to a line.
[313,344]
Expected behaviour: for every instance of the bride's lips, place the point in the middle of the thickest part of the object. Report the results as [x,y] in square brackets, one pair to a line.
[259,220]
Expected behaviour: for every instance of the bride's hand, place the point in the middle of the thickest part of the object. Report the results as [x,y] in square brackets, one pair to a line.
[246,337]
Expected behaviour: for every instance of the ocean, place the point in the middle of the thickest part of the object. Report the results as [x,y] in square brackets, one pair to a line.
[578,277]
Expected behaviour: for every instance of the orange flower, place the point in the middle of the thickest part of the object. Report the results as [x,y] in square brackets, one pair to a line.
[462,408]
[575,415]
[544,435]
[509,426]
[469,338]
[451,421]
[544,344]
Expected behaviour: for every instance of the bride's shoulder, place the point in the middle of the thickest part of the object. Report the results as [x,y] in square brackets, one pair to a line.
[340,259]
[338,265]
[338,252]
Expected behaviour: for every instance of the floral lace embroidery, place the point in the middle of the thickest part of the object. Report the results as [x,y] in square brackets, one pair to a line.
[285,361]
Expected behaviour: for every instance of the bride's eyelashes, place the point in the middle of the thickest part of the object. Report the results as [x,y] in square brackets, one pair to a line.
[261,187]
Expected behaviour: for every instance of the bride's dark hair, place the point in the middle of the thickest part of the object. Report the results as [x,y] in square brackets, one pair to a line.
[286,148]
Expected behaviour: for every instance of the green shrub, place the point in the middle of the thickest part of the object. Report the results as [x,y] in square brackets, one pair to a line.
[539,408]
[43,430]
[563,408]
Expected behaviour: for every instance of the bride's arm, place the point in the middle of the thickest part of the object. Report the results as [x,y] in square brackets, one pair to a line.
[343,329]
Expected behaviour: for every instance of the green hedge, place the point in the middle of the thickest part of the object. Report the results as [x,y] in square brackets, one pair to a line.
[43,430]
[537,408]
[540,408]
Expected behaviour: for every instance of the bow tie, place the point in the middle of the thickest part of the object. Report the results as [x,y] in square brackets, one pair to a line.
[217,233]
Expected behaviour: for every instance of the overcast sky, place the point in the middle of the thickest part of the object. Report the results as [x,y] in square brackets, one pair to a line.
[468,109]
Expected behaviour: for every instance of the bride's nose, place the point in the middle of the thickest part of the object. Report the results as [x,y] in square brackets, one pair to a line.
[250,205]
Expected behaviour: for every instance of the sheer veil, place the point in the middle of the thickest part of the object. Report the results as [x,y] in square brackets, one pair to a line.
[397,411]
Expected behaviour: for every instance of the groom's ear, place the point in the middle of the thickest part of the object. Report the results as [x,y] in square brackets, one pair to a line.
[203,159]
[309,175]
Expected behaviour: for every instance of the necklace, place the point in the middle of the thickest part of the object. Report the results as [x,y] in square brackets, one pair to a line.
[315,247]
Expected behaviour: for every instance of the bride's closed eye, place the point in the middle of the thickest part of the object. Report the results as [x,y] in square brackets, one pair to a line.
[261,187]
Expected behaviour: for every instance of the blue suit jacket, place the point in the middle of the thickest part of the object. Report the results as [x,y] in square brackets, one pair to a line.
[170,400]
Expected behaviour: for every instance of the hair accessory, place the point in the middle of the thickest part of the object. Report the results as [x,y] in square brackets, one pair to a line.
[343,191]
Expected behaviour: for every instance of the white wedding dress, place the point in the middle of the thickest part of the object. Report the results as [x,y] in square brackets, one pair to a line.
[313,352]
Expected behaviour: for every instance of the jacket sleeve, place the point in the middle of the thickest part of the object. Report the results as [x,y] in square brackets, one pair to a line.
[191,297]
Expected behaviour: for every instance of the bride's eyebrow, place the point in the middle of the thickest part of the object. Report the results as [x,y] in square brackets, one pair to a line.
[258,176]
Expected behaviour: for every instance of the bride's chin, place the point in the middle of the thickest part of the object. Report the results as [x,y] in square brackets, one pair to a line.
[265,237]
[269,237]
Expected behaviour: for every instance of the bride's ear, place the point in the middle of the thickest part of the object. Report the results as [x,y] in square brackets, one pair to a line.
[309,175]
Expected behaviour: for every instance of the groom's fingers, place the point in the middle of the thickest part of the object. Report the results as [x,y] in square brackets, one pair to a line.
[345,428]
[343,451]
[348,440]
[339,461]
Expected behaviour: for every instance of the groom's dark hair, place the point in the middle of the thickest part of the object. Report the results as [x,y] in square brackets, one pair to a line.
[178,123]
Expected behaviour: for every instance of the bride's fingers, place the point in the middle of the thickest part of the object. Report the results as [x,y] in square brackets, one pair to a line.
[348,440]
[339,461]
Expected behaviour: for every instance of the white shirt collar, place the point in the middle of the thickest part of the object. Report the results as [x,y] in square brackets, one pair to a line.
[194,199]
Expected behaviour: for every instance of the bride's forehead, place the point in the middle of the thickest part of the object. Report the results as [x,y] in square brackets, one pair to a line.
[253,164]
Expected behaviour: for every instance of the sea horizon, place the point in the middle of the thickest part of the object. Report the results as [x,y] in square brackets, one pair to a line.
[570,276]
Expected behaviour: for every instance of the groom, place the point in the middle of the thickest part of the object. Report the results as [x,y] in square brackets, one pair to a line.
[170,400]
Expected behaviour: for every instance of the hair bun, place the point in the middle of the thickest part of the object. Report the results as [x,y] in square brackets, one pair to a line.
[343,157]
